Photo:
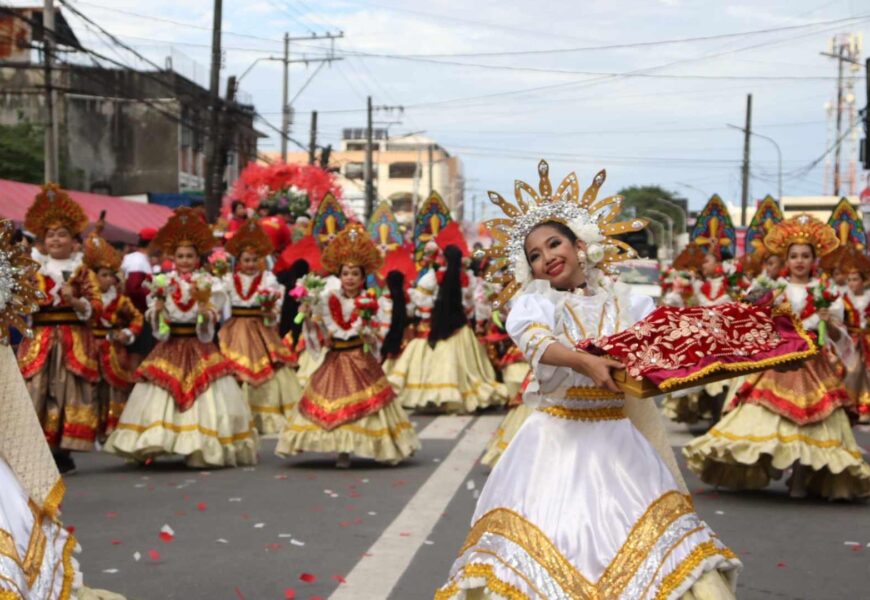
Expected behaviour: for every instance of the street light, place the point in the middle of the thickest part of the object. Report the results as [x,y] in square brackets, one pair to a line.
[778,153]
[670,222]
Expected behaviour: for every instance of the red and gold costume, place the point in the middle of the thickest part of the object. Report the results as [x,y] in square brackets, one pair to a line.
[185,401]
[59,362]
[856,317]
[114,327]
[348,405]
[780,419]
[261,361]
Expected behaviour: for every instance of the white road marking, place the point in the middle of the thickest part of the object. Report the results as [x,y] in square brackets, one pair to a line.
[376,574]
[445,427]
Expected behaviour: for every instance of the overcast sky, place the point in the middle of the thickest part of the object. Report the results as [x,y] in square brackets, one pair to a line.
[522,80]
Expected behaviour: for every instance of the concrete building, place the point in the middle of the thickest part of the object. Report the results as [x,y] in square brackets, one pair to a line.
[122,132]
[406,168]
[818,206]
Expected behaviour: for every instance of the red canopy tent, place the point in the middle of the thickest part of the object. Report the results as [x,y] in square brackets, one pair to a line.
[124,218]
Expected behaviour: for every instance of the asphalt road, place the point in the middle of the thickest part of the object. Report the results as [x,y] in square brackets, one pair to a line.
[299,528]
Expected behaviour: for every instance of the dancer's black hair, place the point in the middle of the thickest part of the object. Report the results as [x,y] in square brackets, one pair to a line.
[393,341]
[290,307]
[448,314]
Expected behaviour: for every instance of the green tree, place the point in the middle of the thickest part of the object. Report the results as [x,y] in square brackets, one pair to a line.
[640,198]
[21,152]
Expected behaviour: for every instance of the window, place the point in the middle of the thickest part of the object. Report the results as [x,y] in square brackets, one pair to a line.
[403,170]
[402,202]
[357,146]
[354,170]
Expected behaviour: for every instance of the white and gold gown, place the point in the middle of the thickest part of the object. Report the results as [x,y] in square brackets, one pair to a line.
[587,501]
[186,401]
[454,376]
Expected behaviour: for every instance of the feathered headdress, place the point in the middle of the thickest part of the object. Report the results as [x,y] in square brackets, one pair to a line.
[252,238]
[854,261]
[19,292]
[305,249]
[400,260]
[690,259]
[801,229]
[452,235]
[590,219]
[100,254]
[185,228]
[53,208]
[352,247]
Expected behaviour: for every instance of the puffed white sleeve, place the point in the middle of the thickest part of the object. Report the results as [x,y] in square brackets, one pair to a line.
[531,325]
[423,294]
[641,306]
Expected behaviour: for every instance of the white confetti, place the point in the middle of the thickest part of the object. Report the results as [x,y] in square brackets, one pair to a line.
[137,556]
[204,473]
[720,512]
[428,542]
[139,485]
[297,543]
[222,541]
[476,494]
[110,570]
[144,478]
[372,513]
[285,535]
[249,469]
[851,543]
[234,499]
[167,529]
[259,525]
[333,495]
[469,485]
[436,460]
[364,480]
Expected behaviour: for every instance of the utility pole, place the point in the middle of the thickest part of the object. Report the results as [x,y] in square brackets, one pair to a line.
[285,99]
[312,140]
[431,165]
[286,108]
[370,184]
[747,132]
[52,169]
[212,175]
[844,49]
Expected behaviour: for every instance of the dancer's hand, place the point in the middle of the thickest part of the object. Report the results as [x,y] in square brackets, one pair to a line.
[159,305]
[597,368]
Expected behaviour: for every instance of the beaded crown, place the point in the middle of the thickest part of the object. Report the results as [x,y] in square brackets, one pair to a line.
[854,261]
[54,208]
[100,254]
[592,220]
[185,227]
[352,247]
[250,236]
[19,293]
[801,229]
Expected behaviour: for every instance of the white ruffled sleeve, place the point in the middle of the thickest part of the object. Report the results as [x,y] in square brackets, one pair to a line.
[531,325]
[641,306]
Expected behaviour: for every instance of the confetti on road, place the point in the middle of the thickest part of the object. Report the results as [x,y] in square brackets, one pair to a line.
[308,577]
[469,485]
[154,555]
[259,525]
[137,556]
[720,512]
[201,506]
[338,578]
[111,571]
[297,543]
[289,594]
[222,541]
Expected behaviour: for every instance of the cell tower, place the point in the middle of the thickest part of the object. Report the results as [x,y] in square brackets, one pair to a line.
[841,168]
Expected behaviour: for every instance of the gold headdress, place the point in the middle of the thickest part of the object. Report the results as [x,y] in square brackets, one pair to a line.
[185,228]
[19,295]
[99,254]
[53,208]
[590,219]
[802,229]
[352,247]
[250,236]
[854,261]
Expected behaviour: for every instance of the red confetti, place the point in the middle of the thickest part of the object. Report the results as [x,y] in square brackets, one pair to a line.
[308,577]
[166,536]
[781,565]
[148,461]
[116,542]
[355,495]
[71,528]
[239,593]
[201,507]
[111,515]
[315,598]
[339,579]
[274,546]
[345,523]
[405,534]
[289,594]
[154,555]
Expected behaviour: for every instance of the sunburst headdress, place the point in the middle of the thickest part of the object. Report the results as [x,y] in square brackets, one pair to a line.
[19,295]
[352,247]
[802,229]
[590,219]
[54,208]
[185,228]
[100,254]
[252,238]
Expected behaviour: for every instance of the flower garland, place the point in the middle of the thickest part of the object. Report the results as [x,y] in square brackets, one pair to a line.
[255,286]
[177,294]
[335,310]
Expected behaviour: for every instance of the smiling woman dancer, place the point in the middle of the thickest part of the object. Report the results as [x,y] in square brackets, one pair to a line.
[587,501]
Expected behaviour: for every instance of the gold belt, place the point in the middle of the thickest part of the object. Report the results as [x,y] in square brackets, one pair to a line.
[65,316]
[244,311]
[354,342]
[182,330]
[592,393]
[100,332]
[607,413]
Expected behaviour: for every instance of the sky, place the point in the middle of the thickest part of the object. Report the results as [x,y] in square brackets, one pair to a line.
[644,89]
